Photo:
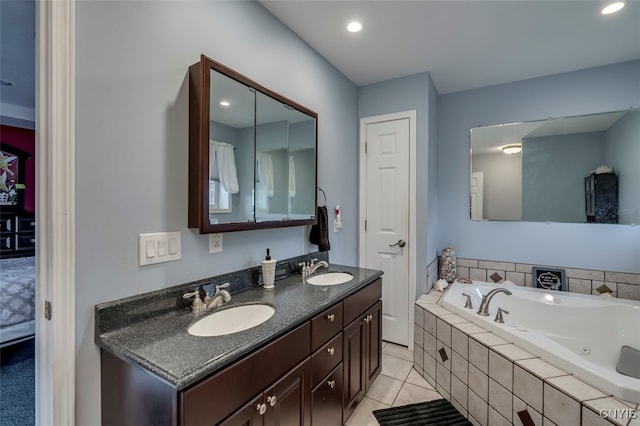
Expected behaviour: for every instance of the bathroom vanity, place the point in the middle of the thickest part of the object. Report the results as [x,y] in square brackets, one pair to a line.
[309,364]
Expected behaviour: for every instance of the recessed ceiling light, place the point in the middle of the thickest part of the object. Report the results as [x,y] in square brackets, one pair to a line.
[512,149]
[225,103]
[612,8]
[354,26]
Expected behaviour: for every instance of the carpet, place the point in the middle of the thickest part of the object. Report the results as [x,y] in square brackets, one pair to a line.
[437,412]
[18,384]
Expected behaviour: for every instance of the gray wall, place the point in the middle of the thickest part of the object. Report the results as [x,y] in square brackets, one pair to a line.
[502,189]
[553,172]
[607,247]
[623,155]
[414,92]
[132,61]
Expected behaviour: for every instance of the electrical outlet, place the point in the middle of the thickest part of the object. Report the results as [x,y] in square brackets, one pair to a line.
[215,243]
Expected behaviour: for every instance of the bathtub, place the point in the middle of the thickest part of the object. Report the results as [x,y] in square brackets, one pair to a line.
[578,333]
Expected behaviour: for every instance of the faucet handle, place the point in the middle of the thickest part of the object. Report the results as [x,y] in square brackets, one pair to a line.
[197,304]
[499,318]
[313,261]
[468,304]
[221,286]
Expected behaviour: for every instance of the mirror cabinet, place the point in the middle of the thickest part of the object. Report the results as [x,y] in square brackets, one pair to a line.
[252,154]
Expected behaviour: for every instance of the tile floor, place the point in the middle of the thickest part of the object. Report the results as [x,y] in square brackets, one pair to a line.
[397,384]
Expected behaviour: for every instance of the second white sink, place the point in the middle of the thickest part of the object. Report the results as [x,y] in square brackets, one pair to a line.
[330,278]
[231,320]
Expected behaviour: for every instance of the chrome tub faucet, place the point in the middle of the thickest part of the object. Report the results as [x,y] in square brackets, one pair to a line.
[486,299]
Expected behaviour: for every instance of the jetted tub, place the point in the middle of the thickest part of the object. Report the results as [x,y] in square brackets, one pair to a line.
[579,333]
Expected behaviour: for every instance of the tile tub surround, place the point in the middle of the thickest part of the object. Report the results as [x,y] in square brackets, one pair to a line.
[586,281]
[162,345]
[494,382]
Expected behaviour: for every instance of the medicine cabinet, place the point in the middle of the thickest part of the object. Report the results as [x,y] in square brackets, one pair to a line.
[252,154]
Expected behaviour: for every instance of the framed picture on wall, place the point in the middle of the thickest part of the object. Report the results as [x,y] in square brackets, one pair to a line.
[549,278]
[12,177]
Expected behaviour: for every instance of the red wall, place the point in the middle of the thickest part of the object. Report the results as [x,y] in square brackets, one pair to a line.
[25,140]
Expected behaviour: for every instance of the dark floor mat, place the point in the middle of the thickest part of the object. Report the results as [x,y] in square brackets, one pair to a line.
[437,412]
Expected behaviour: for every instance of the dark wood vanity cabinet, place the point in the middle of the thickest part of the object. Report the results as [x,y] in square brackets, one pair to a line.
[313,375]
[284,403]
[362,347]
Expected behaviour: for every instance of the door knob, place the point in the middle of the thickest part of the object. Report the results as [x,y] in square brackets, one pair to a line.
[400,243]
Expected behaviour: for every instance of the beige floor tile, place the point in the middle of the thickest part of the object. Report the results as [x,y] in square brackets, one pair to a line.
[363,414]
[416,379]
[385,389]
[396,367]
[411,394]
[398,351]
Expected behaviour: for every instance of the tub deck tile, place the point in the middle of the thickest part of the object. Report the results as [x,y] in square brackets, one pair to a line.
[512,352]
[489,339]
[540,368]
[575,388]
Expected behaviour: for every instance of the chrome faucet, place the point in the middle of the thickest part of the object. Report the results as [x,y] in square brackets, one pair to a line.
[313,268]
[486,299]
[219,297]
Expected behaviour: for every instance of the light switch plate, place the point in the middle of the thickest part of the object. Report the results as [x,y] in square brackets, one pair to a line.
[158,247]
[215,243]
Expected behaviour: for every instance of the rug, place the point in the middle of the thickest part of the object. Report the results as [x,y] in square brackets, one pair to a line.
[437,412]
[17,384]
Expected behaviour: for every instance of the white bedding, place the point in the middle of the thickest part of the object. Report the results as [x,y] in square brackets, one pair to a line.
[17,298]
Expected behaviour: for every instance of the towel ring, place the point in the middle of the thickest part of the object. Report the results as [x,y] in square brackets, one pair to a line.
[324,195]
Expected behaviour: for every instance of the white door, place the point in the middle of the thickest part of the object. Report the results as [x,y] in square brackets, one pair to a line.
[477,194]
[387,221]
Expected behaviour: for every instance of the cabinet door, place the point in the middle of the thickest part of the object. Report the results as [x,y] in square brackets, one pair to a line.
[249,415]
[373,352]
[353,350]
[288,401]
[326,400]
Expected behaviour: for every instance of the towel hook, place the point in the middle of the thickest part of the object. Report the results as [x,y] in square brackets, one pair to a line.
[324,195]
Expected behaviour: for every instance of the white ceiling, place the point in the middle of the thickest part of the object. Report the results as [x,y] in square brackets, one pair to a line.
[463,44]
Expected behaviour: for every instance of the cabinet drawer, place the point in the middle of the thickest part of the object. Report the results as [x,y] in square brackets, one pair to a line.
[25,224]
[6,223]
[325,326]
[326,400]
[25,241]
[7,241]
[232,387]
[356,304]
[326,358]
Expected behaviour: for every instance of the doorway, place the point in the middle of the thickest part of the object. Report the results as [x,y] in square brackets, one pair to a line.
[387,216]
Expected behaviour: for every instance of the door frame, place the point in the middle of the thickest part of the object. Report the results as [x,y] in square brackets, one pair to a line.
[55,212]
[411,115]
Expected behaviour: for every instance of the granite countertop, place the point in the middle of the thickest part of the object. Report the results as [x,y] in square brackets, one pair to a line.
[161,343]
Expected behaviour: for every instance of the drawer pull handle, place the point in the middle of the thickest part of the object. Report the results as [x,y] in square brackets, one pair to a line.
[32,241]
[331,351]
[331,383]
[32,224]
[370,318]
[262,408]
[272,400]
[331,317]
[366,319]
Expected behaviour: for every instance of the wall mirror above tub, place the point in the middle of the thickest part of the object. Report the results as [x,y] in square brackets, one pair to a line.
[581,169]
[252,154]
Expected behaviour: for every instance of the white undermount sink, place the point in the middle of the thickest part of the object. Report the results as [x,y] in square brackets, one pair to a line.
[330,278]
[231,320]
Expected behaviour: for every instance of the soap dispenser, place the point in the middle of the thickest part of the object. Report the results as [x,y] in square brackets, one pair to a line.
[268,271]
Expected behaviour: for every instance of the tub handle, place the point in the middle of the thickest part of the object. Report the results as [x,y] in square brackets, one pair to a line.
[468,303]
[499,319]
